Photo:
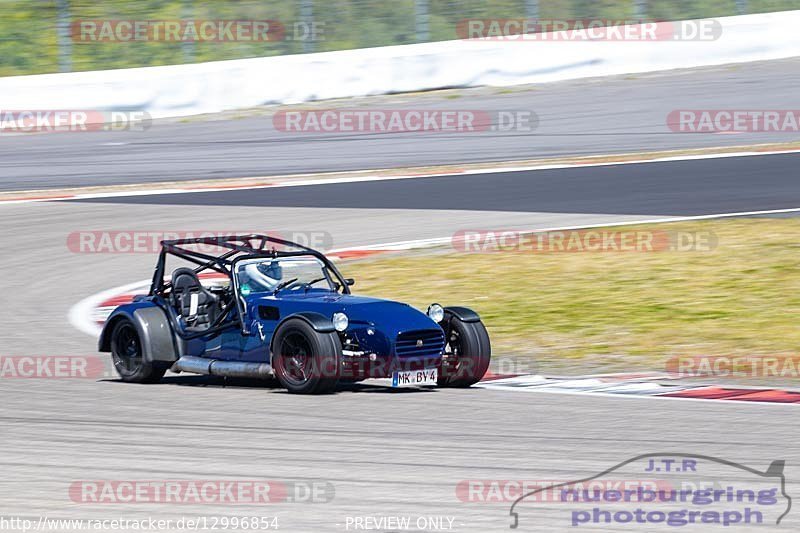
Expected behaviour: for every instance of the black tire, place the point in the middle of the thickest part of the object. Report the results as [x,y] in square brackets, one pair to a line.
[126,352]
[306,361]
[469,353]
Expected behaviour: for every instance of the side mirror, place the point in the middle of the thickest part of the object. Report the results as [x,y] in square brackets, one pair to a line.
[350,282]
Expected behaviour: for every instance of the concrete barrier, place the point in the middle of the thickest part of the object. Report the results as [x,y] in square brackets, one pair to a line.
[183,90]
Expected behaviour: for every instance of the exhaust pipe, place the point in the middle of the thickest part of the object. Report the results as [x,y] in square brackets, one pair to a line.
[230,369]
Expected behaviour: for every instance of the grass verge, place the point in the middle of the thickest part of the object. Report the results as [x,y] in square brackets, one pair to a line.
[618,309]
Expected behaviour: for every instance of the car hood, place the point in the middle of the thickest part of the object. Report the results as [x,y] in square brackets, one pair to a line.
[389,317]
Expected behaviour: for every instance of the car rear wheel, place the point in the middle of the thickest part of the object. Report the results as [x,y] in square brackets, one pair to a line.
[468,353]
[127,354]
[306,361]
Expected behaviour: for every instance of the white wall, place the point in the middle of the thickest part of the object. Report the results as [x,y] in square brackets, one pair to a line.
[183,90]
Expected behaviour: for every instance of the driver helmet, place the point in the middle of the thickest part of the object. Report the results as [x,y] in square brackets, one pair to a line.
[272,270]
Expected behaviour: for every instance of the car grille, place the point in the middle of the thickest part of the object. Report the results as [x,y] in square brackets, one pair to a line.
[407,344]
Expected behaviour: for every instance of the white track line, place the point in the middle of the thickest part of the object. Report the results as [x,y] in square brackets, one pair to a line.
[439,241]
[80,314]
[376,175]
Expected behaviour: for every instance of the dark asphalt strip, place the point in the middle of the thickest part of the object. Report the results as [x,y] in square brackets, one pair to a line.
[674,188]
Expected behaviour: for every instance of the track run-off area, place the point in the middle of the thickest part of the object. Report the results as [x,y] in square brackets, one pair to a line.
[371,451]
[386,453]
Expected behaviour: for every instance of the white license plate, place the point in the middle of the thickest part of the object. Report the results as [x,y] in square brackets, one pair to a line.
[415,378]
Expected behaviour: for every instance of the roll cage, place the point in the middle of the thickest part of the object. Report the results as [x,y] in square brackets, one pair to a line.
[236,248]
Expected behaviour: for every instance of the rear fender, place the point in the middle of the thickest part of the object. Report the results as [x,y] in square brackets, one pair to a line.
[152,325]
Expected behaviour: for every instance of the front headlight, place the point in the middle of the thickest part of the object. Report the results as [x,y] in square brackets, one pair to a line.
[340,321]
[436,313]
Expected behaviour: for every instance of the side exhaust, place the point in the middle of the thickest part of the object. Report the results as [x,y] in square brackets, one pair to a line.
[230,369]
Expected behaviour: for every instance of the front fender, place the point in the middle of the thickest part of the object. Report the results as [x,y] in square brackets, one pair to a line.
[152,325]
[464,314]
[318,321]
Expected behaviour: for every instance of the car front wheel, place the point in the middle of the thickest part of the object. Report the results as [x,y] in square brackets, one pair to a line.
[467,353]
[306,361]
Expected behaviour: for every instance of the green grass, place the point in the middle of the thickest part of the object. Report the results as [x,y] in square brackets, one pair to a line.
[741,298]
[28,42]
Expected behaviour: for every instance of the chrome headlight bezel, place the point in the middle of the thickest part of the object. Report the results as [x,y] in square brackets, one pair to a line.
[436,312]
[340,322]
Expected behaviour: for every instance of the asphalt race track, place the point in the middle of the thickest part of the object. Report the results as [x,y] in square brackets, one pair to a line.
[383,453]
[598,116]
[386,453]
[676,188]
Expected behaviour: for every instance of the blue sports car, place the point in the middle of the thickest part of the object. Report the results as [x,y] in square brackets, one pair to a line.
[272,308]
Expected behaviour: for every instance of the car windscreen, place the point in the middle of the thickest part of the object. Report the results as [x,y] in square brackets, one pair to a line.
[266,275]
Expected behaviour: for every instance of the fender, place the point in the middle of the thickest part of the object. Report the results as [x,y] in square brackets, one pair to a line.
[319,322]
[464,314]
[152,325]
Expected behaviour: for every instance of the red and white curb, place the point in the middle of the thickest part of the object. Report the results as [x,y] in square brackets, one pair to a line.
[642,385]
[300,180]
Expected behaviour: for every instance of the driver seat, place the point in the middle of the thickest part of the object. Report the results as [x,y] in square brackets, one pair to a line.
[196,305]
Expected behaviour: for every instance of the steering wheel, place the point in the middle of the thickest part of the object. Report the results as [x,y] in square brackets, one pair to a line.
[307,284]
